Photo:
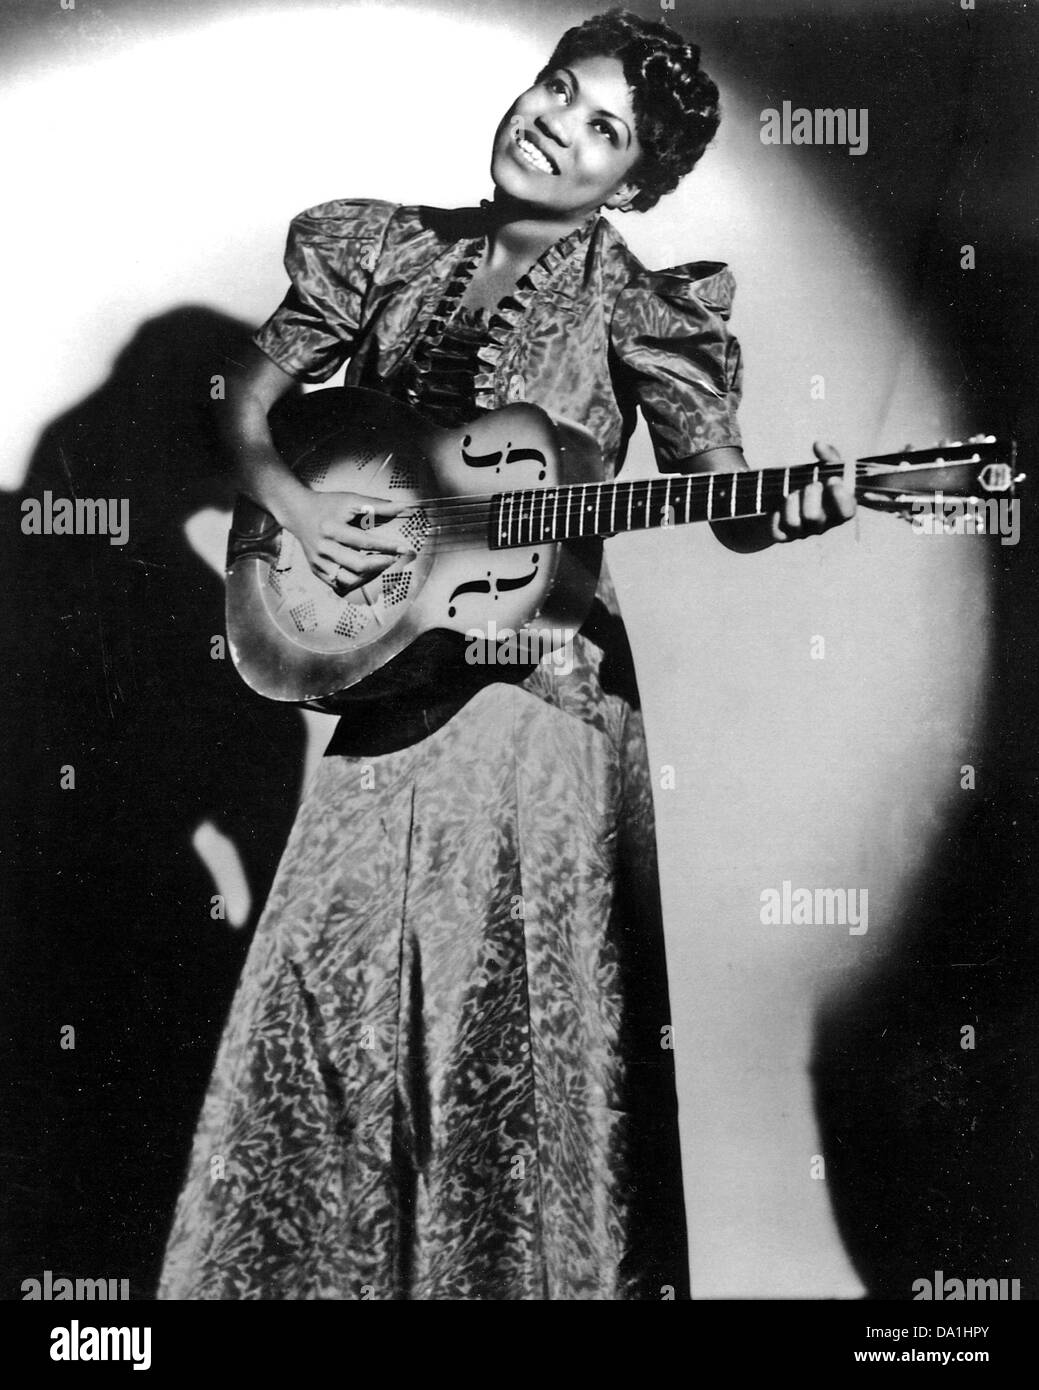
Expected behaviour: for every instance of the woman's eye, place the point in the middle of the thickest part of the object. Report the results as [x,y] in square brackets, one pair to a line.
[556,84]
[604,128]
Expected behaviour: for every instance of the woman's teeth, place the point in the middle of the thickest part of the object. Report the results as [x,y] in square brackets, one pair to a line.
[533,156]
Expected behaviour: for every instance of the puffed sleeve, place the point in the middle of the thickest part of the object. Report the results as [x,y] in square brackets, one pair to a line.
[331,252]
[679,359]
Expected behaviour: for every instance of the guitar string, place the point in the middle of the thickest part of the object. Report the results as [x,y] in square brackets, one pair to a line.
[472,506]
[462,513]
[863,471]
[457,519]
[467,512]
[696,479]
[467,527]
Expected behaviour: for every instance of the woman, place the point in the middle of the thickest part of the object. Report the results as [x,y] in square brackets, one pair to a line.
[446,1073]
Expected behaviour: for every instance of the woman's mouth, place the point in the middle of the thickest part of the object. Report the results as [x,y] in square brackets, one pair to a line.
[532,155]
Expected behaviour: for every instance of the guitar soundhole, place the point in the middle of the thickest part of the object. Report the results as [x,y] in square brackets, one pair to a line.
[395,588]
[362,457]
[415,529]
[313,473]
[304,615]
[401,477]
[274,581]
[351,621]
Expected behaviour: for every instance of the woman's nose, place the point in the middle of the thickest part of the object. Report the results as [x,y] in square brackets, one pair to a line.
[554,125]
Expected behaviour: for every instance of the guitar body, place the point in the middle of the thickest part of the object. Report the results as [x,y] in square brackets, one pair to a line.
[294,639]
[505,519]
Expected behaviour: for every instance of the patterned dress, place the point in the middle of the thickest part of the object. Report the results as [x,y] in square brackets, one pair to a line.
[446,1071]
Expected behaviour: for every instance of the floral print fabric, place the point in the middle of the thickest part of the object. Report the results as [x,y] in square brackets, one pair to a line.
[446,1072]
[589,334]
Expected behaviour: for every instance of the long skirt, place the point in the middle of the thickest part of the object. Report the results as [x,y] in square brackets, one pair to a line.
[447,1072]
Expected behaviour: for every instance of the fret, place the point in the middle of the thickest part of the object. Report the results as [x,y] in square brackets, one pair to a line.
[786,482]
[710,496]
[665,511]
[735,488]
[688,496]
[580,510]
[631,498]
[647,493]
[722,490]
[542,498]
[613,505]
[746,487]
[508,522]
[757,498]
[499,502]
[555,510]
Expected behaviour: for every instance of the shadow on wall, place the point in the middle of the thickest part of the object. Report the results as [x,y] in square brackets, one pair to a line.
[108,670]
[931,1142]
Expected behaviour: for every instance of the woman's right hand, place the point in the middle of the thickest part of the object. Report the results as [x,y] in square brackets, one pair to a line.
[339,531]
[340,536]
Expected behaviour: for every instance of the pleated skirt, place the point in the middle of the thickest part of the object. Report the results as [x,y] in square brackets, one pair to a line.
[446,1073]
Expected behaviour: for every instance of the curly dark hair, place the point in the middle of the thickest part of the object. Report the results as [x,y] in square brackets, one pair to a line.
[676,103]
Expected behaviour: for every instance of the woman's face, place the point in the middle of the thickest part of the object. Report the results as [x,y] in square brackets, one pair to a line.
[567,146]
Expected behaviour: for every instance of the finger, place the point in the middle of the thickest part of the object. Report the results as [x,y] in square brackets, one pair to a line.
[338,578]
[360,538]
[792,515]
[342,578]
[826,453]
[839,500]
[337,567]
[372,509]
[356,562]
[813,516]
[782,528]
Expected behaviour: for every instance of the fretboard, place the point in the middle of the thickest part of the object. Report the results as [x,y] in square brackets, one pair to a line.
[537,516]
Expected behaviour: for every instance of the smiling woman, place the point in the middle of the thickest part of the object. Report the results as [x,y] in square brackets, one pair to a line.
[447,1072]
[577,127]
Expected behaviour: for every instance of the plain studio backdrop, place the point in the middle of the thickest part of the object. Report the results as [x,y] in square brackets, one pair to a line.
[810,710]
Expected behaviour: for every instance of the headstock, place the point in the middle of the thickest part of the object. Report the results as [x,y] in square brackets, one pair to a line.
[970,474]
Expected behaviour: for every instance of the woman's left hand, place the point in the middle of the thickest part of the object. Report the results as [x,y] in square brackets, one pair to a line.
[817,507]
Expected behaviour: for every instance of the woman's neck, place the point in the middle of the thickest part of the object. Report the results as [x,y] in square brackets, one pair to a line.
[516,236]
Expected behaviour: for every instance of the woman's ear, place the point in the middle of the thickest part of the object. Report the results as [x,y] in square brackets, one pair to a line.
[621,200]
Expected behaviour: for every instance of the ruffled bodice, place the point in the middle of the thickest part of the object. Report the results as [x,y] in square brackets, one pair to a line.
[451,374]
[588,333]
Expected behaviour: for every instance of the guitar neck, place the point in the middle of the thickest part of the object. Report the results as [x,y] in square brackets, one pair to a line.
[641,504]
